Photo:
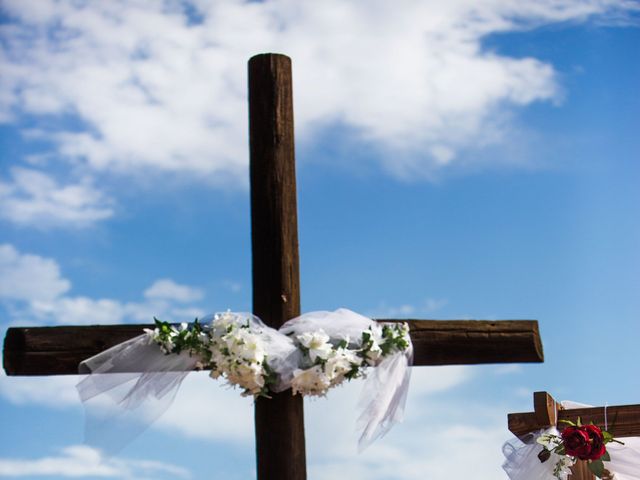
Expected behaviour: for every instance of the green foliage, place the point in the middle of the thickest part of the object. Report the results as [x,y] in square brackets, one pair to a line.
[202,342]
[596,467]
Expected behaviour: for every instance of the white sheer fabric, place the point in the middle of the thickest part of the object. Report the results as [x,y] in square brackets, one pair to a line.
[384,393]
[522,463]
[133,383]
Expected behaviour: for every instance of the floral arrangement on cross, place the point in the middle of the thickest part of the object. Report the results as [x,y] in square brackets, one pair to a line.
[243,352]
[577,442]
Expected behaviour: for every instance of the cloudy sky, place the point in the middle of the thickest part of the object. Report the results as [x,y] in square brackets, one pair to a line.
[456,159]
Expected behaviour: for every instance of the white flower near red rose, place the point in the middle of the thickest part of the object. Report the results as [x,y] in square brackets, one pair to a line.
[563,463]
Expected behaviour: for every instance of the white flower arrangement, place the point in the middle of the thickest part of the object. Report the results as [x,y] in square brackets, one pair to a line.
[563,463]
[237,349]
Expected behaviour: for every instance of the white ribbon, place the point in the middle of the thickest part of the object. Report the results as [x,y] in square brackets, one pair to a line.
[131,384]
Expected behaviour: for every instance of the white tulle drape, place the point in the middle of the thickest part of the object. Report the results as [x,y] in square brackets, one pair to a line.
[522,463]
[130,385]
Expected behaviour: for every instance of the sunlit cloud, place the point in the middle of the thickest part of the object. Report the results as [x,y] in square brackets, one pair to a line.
[34,198]
[157,87]
[34,290]
[80,461]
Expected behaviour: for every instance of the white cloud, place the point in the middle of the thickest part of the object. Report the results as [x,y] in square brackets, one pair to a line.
[461,451]
[167,289]
[34,289]
[80,461]
[191,414]
[408,310]
[443,436]
[53,392]
[159,91]
[80,311]
[233,286]
[426,381]
[205,409]
[33,198]
[508,369]
[29,277]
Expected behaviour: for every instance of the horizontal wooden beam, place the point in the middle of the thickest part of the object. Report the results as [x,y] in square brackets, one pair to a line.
[59,350]
[469,342]
[622,420]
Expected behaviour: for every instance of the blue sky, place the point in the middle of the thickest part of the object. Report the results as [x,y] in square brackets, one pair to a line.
[455,160]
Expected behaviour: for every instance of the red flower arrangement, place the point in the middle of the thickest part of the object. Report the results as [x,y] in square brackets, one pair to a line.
[585,442]
[577,442]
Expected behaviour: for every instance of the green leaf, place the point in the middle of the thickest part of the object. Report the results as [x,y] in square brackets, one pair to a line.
[596,467]
[544,455]
[606,457]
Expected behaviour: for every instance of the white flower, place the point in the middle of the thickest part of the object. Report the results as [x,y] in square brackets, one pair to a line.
[563,467]
[317,343]
[374,354]
[339,363]
[153,336]
[311,381]
[167,346]
[376,333]
[248,376]
[249,346]
[222,323]
[547,440]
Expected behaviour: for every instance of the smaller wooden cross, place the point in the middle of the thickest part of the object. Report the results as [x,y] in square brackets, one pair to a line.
[622,421]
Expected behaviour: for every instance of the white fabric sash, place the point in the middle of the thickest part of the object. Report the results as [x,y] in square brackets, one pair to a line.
[131,384]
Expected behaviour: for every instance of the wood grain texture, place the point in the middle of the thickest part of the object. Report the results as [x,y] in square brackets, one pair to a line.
[580,471]
[279,421]
[59,350]
[622,420]
[467,342]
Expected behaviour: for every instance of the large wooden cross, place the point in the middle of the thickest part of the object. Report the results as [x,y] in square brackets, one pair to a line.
[279,426]
[622,421]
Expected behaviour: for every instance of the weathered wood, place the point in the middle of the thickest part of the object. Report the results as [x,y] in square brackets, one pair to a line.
[59,350]
[467,342]
[622,420]
[580,471]
[279,421]
[545,408]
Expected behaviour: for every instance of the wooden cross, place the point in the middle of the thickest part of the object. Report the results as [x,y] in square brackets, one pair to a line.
[622,421]
[279,426]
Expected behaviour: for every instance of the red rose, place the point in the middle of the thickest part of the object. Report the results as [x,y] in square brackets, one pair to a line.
[585,442]
[597,442]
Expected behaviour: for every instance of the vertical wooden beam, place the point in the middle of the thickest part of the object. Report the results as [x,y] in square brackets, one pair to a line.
[580,471]
[545,409]
[279,421]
